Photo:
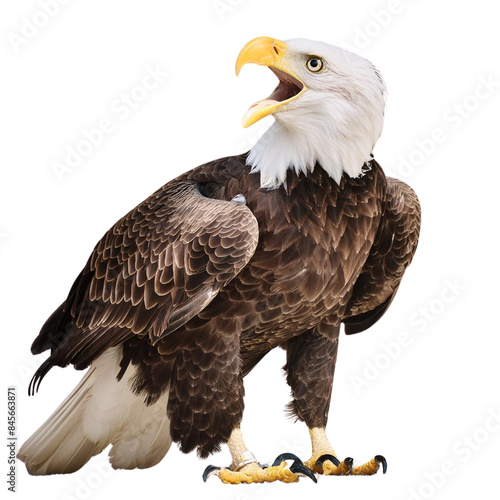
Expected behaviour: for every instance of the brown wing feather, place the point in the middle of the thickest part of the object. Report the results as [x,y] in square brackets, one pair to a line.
[154,270]
[390,255]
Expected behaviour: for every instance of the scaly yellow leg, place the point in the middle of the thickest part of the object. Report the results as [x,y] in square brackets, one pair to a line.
[324,460]
[321,448]
[246,469]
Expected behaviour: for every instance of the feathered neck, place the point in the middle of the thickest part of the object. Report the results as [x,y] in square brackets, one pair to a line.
[339,134]
[282,148]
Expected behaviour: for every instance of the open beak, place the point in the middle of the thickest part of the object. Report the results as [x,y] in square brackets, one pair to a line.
[271,53]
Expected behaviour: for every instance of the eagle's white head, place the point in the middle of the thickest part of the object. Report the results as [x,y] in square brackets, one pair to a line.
[328,107]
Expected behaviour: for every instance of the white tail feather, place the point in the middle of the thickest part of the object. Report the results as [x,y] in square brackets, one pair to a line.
[100,411]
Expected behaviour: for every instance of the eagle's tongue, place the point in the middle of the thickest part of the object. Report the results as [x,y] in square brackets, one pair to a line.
[257,107]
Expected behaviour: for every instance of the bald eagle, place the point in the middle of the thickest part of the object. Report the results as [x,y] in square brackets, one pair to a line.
[184,295]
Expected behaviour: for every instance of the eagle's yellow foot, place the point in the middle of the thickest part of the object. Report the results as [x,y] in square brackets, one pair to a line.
[255,473]
[325,461]
[329,465]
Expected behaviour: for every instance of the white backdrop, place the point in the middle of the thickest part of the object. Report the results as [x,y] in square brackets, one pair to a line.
[421,386]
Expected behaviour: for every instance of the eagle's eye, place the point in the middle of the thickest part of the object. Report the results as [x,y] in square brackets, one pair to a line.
[315,64]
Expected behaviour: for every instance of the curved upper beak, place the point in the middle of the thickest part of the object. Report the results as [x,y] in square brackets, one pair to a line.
[272,53]
[263,50]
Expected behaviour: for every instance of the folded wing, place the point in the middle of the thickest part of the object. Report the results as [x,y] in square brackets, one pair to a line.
[391,253]
[153,271]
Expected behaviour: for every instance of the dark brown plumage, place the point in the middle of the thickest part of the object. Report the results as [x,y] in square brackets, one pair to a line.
[198,288]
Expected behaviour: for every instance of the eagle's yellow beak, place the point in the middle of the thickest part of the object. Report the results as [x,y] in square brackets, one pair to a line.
[273,54]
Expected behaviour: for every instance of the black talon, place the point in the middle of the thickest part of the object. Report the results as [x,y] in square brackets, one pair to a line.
[381,460]
[302,470]
[287,456]
[350,463]
[327,456]
[209,471]
[297,467]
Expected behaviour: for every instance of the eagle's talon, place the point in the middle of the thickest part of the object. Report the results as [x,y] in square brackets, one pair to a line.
[349,462]
[327,456]
[302,470]
[297,467]
[211,469]
[380,459]
[287,456]
[329,465]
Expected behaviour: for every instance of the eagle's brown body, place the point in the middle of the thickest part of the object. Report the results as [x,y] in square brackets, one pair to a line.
[198,290]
